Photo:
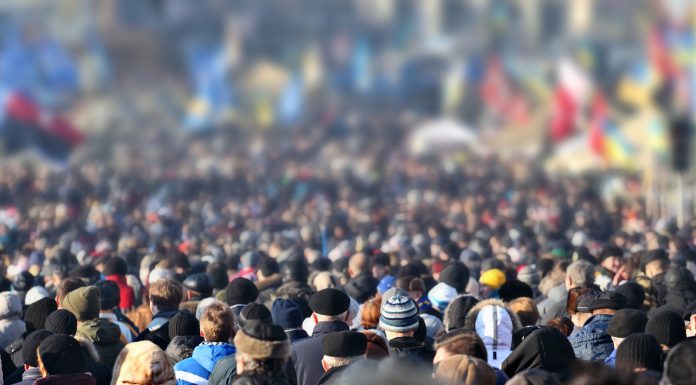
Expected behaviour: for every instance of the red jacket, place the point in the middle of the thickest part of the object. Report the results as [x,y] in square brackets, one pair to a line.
[126,292]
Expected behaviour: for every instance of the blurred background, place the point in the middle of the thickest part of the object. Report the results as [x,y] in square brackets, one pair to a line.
[127,95]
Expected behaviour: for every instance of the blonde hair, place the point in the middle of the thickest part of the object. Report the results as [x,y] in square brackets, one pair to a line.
[217,323]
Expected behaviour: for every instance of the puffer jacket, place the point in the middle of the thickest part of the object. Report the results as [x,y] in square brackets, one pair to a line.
[259,379]
[106,338]
[11,324]
[225,371]
[196,369]
[182,347]
[592,343]
[495,324]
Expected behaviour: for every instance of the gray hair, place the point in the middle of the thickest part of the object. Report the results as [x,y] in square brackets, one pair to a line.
[581,272]
[334,362]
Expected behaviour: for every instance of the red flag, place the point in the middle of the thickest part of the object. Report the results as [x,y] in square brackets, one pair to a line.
[563,114]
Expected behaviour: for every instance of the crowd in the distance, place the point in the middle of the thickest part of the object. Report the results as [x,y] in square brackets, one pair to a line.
[292,266]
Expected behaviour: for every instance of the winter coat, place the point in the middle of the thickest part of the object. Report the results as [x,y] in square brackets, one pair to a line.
[196,369]
[403,347]
[257,379]
[592,343]
[546,349]
[29,376]
[141,317]
[296,335]
[143,363]
[681,288]
[126,292]
[68,379]
[495,324]
[157,330]
[267,289]
[11,324]
[331,376]
[126,332]
[181,347]
[15,350]
[105,336]
[100,371]
[224,372]
[306,355]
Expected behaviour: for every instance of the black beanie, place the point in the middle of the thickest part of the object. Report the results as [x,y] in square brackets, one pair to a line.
[455,275]
[639,351]
[667,326]
[36,314]
[626,322]
[269,266]
[634,293]
[241,291]
[31,342]
[679,365]
[457,310]
[61,354]
[184,324]
[514,289]
[254,312]
[115,266]
[107,297]
[62,321]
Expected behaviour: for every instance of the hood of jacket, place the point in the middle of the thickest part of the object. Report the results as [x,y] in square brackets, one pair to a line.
[100,331]
[10,306]
[546,348]
[181,347]
[143,363]
[207,354]
[494,323]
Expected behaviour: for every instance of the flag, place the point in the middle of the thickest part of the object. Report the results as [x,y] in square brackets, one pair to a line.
[26,126]
[563,114]
[605,137]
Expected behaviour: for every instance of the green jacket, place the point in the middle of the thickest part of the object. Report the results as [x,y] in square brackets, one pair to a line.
[105,336]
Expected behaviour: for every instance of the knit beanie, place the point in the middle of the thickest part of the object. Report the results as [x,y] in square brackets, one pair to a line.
[241,291]
[667,326]
[626,322]
[107,296]
[143,363]
[84,303]
[62,321]
[679,365]
[184,324]
[398,314]
[260,340]
[441,295]
[493,278]
[634,293]
[61,354]
[31,342]
[461,369]
[455,314]
[286,313]
[36,314]
[639,351]
[529,275]
[115,266]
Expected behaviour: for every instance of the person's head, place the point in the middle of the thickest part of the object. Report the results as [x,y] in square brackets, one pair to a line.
[563,325]
[462,369]
[612,258]
[455,313]
[655,262]
[62,321]
[679,368]
[342,349]
[329,305]
[60,355]
[526,310]
[667,326]
[241,291]
[626,322]
[579,274]
[253,312]
[115,266]
[578,304]
[262,349]
[267,268]
[457,275]
[35,315]
[84,303]
[217,324]
[639,352]
[634,293]
[287,314]
[369,316]
[66,286]
[143,363]
[690,319]
[165,295]
[413,285]
[377,347]
[607,302]
[460,341]
[183,324]
[198,286]
[107,296]
[491,280]
[358,264]
[31,343]
[398,317]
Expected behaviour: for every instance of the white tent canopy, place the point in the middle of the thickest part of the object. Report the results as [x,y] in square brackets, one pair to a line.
[442,135]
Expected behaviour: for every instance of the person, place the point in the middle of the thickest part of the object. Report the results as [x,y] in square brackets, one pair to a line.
[108,301]
[624,323]
[491,281]
[287,314]
[611,259]
[416,290]
[667,326]
[466,342]
[591,342]
[456,312]
[545,348]
[680,288]
[456,274]
[184,333]
[679,368]
[115,270]
[32,372]
[439,297]
[330,312]
[361,285]
[217,328]
[143,363]
[341,349]
[461,369]
[164,297]
[496,324]
[239,293]
[65,286]
[689,316]
[11,324]
[268,279]
[526,310]
[84,304]
[578,274]
[639,353]
[399,320]
[61,363]
[262,354]
[377,348]
[34,319]
[198,287]
[654,265]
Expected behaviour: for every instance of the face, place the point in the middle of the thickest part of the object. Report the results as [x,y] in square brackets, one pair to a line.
[691,326]
[613,264]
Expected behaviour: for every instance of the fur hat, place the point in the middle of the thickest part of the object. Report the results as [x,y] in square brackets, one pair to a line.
[260,340]
[141,363]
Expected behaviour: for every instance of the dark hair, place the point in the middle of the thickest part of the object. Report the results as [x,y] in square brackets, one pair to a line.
[166,294]
[572,300]
[67,285]
[563,324]
[463,341]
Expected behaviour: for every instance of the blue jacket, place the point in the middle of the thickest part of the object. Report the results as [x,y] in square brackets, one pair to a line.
[611,360]
[196,369]
[592,343]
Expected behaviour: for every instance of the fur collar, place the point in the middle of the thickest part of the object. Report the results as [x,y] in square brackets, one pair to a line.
[470,322]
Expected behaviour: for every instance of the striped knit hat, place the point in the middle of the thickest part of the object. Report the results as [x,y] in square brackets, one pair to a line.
[398,314]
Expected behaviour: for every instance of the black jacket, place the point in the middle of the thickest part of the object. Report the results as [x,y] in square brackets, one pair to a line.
[546,348]
[224,371]
[296,335]
[257,379]
[181,347]
[306,355]
[331,376]
[159,335]
[402,347]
